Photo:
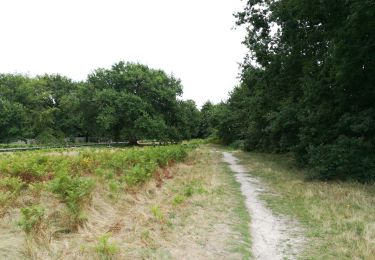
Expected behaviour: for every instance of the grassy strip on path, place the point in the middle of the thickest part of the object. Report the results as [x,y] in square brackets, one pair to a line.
[339,217]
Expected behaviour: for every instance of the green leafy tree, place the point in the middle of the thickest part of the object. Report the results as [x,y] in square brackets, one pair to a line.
[126,102]
[307,85]
[134,102]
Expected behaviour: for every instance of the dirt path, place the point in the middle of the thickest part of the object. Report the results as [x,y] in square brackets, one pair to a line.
[273,236]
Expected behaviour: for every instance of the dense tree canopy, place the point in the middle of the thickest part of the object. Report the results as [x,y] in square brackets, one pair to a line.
[308,85]
[128,102]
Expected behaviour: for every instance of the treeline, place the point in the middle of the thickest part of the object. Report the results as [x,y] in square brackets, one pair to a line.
[307,85]
[128,102]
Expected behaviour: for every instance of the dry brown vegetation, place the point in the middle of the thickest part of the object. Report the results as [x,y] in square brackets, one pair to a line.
[192,210]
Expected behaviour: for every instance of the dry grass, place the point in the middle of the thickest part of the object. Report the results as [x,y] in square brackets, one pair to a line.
[339,217]
[197,213]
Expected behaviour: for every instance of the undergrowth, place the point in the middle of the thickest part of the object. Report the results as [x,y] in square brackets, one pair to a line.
[31,218]
[71,175]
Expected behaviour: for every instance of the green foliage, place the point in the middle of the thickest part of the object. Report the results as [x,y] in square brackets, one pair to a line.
[238,144]
[195,186]
[106,249]
[188,118]
[346,159]
[73,177]
[307,85]
[32,166]
[178,199]
[9,189]
[134,102]
[31,218]
[210,119]
[157,213]
[33,107]
[72,190]
[114,188]
[13,184]
[128,102]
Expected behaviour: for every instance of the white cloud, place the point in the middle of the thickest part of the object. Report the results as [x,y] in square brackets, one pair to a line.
[191,38]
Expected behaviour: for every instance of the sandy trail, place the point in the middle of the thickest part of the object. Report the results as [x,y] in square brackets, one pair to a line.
[273,236]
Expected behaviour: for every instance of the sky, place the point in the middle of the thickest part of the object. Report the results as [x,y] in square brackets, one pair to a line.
[193,39]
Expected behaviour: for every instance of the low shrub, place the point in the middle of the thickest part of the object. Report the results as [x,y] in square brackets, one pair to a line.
[31,218]
[346,159]
[73,190]
[72,177]
[9,189]
[238,144]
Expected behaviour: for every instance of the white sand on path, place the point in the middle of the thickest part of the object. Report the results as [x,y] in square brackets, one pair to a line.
[273,236]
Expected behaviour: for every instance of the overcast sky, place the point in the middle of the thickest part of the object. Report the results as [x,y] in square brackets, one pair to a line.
[193,39]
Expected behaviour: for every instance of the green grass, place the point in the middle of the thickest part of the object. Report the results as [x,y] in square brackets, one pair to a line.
[339,218]
[105,249]
[240,211]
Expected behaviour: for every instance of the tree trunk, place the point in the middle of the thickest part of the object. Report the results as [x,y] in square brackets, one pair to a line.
[133,141]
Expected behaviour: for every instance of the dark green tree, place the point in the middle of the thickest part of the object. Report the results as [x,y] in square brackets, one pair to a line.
[308,85]
[134,102]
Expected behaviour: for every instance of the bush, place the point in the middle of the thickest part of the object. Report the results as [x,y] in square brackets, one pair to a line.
[346,159]
[73,190]
[238,144]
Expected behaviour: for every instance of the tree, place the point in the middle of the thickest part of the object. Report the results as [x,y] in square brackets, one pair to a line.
[135,102]
[13,121]
[188,119]
[126,102]
[307,85]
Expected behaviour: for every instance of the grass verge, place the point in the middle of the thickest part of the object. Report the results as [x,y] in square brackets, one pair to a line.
[339,217]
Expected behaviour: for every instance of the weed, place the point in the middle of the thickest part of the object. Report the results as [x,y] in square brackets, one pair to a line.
[195,186]
[178,199]
[9,189]
[147,238]
[157,213]
[106,249]
[114,188]
[12,184]
[36,188]
[5,197]
[73,190]
[188,191]
[31,218]
[100,172]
